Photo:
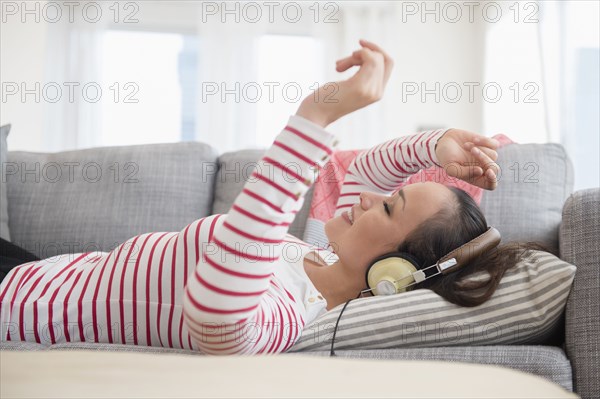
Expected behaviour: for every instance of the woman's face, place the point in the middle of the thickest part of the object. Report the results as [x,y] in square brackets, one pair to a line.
[368,231]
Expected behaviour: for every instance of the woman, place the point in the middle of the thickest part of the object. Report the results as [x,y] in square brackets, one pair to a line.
[238,283]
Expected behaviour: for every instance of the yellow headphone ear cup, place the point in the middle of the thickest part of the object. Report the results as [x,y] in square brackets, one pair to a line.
[387,276]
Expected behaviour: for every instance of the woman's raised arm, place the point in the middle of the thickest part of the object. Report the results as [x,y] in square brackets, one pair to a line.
[384,167]
[464,155]
[232,302]
[232,291]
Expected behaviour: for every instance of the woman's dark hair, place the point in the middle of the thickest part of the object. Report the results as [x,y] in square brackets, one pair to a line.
[451,227]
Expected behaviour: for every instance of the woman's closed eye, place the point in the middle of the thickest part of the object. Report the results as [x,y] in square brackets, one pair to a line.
[386,207]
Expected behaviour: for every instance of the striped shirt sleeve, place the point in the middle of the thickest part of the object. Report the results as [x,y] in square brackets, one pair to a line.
[231,304]
[382,168]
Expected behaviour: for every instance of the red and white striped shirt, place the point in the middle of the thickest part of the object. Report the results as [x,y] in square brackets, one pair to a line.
[224,284]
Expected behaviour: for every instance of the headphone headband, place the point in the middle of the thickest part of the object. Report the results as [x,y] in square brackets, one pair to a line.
[387,271]
[470,250]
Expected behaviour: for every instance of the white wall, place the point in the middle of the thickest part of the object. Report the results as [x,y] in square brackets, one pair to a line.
[425,53]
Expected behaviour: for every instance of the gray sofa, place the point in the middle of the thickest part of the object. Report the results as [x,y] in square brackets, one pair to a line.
[94,199]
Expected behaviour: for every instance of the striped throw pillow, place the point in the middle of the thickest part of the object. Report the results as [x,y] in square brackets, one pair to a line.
[525,309]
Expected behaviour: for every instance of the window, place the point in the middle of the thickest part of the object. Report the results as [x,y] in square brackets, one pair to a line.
[151,82]
[570,35]
[581,126]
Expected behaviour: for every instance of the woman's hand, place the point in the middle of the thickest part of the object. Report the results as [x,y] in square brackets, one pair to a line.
[470,157]
[334,100]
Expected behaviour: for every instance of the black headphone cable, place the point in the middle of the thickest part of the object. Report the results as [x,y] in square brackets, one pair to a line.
[332,352]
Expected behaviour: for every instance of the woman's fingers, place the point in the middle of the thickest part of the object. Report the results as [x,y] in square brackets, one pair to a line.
[481,171]
[369,79]
[488,151]
[388,62]
[490,168]
[365,87]
[474,175]
[474,160]
[491,176]
[348,62]
[374,47]
[482,157]
[368,52]
[358,58]
[483,141]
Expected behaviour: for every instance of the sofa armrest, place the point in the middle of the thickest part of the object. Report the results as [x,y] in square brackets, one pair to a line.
[579,240]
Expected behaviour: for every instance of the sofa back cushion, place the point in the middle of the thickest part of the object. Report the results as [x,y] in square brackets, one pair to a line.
[534,182]
[235,168]
[4,232]
[58,203]
[94,199]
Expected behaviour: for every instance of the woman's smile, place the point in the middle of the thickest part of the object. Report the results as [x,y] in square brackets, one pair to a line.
[348,216]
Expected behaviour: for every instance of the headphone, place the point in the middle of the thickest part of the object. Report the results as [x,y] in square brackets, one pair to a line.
[398,272]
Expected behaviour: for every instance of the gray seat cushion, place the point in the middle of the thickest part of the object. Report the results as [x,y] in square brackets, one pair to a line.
[95,199]
[546,361]
[235,168]
[21,346]
[534,182]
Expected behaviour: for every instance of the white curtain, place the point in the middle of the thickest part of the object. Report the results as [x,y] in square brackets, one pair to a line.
[357,20]
[556,53]
[228,55]
[73,62]
[425,54]
[570,41]
[535,65]
[514,100]
[227,62]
